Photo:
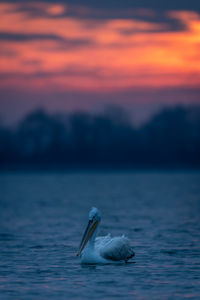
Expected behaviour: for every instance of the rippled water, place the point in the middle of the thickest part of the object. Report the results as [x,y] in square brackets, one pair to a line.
[43,215]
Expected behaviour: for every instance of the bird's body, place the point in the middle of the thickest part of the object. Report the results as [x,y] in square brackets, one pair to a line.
[103,250]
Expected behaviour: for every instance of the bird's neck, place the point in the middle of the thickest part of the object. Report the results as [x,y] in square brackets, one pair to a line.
[93,237]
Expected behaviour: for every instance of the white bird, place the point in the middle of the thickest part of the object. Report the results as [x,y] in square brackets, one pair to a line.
[105,249]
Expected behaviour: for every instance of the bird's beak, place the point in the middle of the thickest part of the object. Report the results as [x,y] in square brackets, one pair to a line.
[92,225]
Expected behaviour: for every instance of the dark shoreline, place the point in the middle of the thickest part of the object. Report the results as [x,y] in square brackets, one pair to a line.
[95,168]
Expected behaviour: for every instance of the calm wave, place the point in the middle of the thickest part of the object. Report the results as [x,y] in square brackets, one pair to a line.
[43,215]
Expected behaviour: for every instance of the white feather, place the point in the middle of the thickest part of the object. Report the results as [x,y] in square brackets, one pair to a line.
[105,249]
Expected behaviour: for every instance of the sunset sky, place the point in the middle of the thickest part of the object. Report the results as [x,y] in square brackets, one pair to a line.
[83,54]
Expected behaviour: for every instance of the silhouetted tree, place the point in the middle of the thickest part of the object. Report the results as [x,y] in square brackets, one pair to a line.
[170,139]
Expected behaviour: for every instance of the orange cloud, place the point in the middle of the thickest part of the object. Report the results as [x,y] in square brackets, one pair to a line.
[67,53]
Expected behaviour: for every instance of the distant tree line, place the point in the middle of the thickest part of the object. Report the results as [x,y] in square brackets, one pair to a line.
[170,139]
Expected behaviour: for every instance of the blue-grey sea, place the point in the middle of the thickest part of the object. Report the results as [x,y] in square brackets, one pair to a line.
[43,216]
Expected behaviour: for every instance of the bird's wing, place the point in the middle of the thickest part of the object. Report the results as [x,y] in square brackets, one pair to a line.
[101,241]
[116,249]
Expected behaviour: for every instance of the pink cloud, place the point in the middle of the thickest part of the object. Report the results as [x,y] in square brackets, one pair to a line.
[109,59]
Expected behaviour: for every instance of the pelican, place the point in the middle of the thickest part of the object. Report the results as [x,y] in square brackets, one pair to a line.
[105,249]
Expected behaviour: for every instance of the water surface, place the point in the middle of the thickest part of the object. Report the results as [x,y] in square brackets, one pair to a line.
[43,215]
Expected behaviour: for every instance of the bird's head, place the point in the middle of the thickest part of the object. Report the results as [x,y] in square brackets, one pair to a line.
[95,214]
[94,219]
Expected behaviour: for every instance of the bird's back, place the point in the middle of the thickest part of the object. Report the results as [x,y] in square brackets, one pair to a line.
[115,249]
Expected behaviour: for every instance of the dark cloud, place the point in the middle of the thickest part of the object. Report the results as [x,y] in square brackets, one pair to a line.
[63,43]
[7,36]
[128,4]
[97,11]
[109,5]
